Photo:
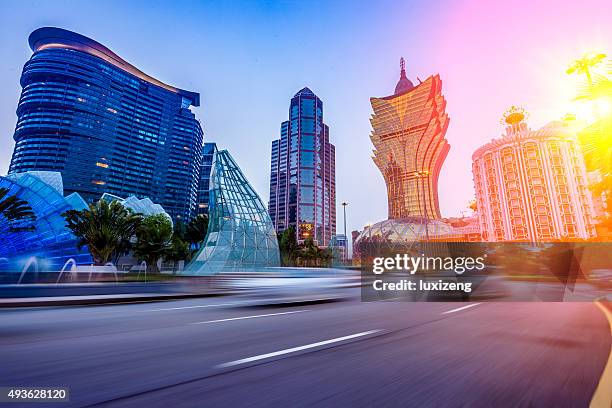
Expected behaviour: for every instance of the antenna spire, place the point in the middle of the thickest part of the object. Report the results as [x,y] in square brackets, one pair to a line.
[403,66]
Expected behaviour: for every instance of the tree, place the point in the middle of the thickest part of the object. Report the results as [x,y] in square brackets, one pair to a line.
[584,64]
[15,209]
[311,255]
[180,230]
[178,250]
[154,238]
[288,246]
[106,229]
[596,139]
[196,230]
[179,247]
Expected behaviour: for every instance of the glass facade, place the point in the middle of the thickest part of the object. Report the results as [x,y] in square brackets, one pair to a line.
[241,236]
[303,173]
[105,125]
[208,154]
[408,134]
[45,238]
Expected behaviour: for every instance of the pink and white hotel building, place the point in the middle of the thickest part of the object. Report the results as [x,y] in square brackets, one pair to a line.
[531,185]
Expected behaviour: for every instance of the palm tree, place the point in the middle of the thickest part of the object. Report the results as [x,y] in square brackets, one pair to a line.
[596,139]
[154,238]
[15,209]
[584,64]
[106,229]
[312,255]
[197,230]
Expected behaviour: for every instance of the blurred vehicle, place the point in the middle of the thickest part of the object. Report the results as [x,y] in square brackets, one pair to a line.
[601,278]
[289,285]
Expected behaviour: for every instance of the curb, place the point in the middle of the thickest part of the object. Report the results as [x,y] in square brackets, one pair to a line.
[102,300]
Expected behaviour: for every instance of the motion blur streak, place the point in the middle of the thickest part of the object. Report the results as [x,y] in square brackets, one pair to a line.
[603,393]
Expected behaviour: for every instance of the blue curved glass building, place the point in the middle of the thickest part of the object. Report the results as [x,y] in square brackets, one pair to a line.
[241,236]
[46,237]
[104,125]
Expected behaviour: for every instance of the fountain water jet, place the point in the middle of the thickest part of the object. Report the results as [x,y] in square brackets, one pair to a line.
[114,271]
[143,264]
[31,261]
[73,268]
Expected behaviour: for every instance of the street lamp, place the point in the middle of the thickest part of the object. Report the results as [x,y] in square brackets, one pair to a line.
[423,174]
[345,255]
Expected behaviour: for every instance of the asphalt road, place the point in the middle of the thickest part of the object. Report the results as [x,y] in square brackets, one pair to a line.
[218,352]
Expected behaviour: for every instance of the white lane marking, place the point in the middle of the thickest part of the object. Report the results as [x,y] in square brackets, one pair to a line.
[190,307]
[461,308]
[249,317]
[294,349]
[221,304]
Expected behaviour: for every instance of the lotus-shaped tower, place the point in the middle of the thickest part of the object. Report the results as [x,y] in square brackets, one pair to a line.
[408,134]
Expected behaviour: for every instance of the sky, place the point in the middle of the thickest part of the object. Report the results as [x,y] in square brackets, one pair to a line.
[248,58]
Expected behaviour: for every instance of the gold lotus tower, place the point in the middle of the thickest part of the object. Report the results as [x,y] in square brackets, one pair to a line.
[408,130]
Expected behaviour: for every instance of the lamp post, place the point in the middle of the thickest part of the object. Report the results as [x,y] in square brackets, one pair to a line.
[423,174]
[345,254]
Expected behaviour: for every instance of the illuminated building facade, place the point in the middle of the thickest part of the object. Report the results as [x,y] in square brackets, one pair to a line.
[303,173]
[105,125]
[409,145]
[532,185]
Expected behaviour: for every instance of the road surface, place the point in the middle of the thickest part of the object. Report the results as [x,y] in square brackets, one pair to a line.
[219,352]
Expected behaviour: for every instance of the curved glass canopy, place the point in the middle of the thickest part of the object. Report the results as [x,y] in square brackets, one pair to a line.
[143,206]
[241,236]
[46,237]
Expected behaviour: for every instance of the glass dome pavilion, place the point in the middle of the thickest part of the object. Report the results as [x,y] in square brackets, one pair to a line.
[399,234]
[241,236]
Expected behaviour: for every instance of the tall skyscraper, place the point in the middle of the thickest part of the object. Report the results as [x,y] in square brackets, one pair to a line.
[105,125]
[409,145]
[208,157]
[532,185]
[303,173]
